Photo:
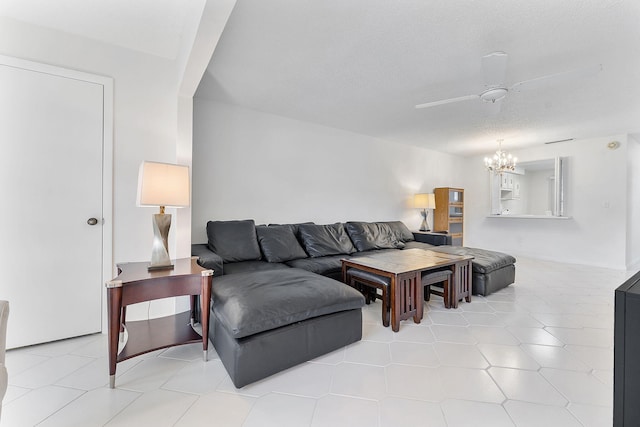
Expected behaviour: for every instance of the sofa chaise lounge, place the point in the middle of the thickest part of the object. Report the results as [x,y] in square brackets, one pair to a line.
[277,300]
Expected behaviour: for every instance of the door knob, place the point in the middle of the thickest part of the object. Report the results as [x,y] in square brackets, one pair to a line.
[92,221]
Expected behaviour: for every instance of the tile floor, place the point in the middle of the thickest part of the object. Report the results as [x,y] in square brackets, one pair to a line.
[538,353]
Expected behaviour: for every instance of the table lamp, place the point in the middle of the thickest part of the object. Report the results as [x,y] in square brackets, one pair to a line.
[163,185]
[424,201]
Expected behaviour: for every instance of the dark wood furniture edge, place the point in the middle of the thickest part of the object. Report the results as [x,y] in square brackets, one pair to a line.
[145,342]
[148,289]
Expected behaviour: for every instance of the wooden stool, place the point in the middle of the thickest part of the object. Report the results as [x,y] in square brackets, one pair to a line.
[373,281]
[437,276]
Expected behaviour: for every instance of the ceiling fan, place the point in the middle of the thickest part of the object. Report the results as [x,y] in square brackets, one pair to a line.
[494,69]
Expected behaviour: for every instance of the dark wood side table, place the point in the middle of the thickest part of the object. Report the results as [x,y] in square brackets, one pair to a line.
[135,284]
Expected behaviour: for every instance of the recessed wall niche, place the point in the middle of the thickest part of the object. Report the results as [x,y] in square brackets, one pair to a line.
[534,189]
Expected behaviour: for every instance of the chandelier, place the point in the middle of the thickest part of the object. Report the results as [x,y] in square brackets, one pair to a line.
[501,161]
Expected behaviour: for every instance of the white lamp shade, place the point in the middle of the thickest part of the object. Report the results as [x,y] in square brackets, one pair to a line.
[424,201]
[163,184]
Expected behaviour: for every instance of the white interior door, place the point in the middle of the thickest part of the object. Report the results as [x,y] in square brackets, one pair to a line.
[51,161]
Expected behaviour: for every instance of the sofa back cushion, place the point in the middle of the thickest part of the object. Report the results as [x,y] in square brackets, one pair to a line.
[294,227]
[367,236]
[234,240]
[279,243]
[324,240]
[400,230]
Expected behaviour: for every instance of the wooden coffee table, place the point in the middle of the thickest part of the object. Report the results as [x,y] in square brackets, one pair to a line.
[404,269]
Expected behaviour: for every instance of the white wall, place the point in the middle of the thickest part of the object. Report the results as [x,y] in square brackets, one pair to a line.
[596,199]
[145,94]
[539,192]
[633,195]
[248,164]
[151,122]
[145,109]
[196,52]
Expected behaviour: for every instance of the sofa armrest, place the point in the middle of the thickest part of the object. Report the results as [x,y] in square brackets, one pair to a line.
[436,239]
[207,258]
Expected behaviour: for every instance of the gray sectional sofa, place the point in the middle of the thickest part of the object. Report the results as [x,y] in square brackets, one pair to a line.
[277,299]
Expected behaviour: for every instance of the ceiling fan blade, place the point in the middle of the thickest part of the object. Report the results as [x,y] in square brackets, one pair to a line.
[447,101]
[557,78]
[494,69]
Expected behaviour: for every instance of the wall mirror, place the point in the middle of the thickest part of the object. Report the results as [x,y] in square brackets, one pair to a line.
[533,189]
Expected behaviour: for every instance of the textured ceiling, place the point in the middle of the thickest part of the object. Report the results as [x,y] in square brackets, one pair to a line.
[362,65]
[150,26]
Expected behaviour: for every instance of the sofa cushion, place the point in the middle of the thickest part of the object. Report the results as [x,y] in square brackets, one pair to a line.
[401,231]
[367,236]
[249,303]
[294,227]
[484,261]
[247,266]
[208,259]
[326,266]
[279,243]
[485,284]
[418,245]
[325,240]
[234,240]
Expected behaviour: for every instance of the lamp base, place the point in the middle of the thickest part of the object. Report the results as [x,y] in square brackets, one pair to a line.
[159,251]
[425,225]
[160,267]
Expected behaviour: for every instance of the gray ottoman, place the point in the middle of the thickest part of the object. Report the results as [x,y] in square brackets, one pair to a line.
[266,321]
[492,270]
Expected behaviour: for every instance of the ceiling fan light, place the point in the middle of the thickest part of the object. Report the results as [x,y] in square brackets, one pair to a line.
[493,94]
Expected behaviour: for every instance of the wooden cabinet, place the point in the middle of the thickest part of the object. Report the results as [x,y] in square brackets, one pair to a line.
[449,213]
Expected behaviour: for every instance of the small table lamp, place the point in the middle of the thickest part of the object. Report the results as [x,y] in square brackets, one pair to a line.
[162,184]
[424,201]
